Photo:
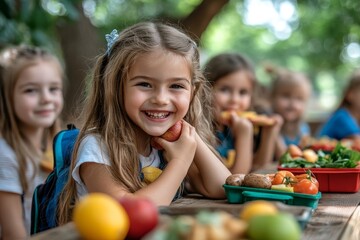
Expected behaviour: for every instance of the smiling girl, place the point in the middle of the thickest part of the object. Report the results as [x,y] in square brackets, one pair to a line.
[290,93]
[148,79]
[31,101]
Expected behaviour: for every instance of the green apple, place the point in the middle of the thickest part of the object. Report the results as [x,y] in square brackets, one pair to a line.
[281,226]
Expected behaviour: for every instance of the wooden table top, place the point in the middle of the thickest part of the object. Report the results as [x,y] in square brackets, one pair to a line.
[336,217]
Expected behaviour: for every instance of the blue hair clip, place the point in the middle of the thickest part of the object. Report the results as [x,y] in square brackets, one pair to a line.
[110,39]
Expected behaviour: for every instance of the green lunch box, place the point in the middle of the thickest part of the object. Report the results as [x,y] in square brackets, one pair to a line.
[238,194]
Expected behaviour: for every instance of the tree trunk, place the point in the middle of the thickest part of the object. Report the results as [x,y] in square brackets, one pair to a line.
[198,20]
[80,44]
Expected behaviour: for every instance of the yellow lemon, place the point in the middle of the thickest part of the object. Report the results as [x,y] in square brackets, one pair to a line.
[99,216]
[257,207]
[151,174]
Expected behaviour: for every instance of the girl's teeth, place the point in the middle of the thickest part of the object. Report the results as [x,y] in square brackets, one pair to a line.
[157,115]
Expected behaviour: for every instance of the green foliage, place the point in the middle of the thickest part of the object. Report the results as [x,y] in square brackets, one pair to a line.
[110,14]
[316,45]
[30,23]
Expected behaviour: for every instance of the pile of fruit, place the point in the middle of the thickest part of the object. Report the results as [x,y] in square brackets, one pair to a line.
[281,181]
[340,157]
[258,220]
[99,216]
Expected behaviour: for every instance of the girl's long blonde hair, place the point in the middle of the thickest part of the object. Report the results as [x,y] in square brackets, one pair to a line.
[13,61]
[104,112]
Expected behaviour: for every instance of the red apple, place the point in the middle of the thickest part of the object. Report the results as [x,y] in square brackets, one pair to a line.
[171,135]
[143,216]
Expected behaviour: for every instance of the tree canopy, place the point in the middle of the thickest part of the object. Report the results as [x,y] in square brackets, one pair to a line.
[320,38]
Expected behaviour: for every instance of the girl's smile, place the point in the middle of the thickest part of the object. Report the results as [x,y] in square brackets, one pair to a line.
[38,95]
[154,115]
[158,91]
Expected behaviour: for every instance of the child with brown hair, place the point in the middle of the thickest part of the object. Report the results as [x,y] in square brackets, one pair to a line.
[290,92]
[31,82]
[233,85]
[148,79]
[344,122]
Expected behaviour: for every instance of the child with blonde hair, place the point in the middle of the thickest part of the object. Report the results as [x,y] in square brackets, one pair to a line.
[234,85]
[290,92]
[344,122]
[148,80]
[31,101]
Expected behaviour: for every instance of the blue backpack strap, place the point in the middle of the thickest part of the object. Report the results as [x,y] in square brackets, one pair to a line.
[46,195]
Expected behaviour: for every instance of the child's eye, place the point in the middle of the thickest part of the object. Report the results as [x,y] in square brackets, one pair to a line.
[30,90]
[143,84]
[225,89]
[55,89]
[243,92]
[177,86]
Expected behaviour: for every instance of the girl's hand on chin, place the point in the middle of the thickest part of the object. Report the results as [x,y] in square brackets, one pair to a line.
[182,149]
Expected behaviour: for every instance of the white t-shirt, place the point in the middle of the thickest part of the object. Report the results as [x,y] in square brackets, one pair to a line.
[10,181]
[92,150]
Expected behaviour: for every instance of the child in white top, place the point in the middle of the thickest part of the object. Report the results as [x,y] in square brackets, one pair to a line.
[31,101]
[148,79]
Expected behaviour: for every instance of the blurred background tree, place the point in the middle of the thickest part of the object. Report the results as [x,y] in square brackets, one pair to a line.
[319,37]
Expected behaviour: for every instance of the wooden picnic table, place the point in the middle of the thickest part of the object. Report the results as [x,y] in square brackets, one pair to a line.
[336,217]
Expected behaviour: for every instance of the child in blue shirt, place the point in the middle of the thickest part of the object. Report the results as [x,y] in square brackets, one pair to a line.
[233,85]
[344,122]
[290,92]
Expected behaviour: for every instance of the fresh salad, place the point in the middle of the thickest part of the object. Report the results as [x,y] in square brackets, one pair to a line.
[340,157]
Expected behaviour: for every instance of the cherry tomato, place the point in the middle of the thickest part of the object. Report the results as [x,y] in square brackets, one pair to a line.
[309,177]
[280,175]
[305,186]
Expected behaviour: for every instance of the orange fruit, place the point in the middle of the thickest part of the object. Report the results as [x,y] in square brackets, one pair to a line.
[257,207]
[99,216]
